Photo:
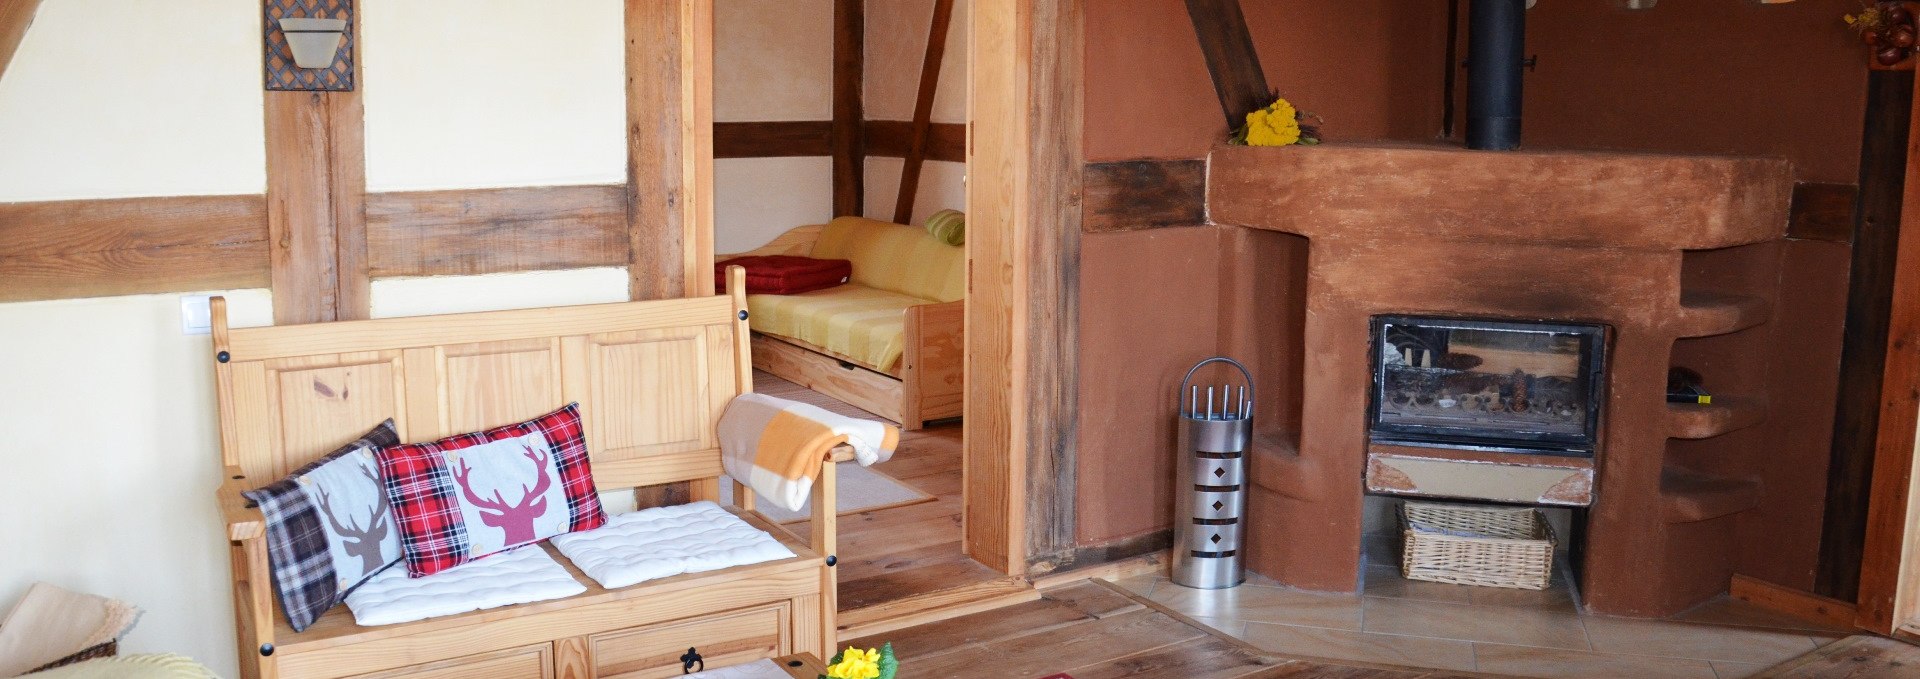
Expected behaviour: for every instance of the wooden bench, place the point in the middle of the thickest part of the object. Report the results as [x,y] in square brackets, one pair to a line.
[651,378]
[928,382]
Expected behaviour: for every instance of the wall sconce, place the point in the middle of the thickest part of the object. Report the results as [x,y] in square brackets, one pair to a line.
[313,41]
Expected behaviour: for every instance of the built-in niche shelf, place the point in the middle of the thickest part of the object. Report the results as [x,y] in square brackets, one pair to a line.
[1705,421]
[1688,496]
[1705,314]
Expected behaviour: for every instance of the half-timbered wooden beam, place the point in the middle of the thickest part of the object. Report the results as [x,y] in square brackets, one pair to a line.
[785,139]
[1877,229]
[669,147]
[1227,45]
[477,231]
[1886,528]
[127,246]
[15,16]
[892,139]
[923,110]
[849,154]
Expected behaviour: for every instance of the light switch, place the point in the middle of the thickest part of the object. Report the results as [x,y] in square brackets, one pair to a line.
[196,315]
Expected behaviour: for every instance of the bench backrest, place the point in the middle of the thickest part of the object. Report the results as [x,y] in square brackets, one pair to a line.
[651,378]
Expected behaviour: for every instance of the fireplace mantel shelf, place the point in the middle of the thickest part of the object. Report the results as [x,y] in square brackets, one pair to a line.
[1705,314]
[1593,199]
[1689,496]
[1704,421]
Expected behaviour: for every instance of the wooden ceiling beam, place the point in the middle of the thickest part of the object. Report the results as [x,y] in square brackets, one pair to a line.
[923,110]
[1227,44]
[15,16]
[669,148]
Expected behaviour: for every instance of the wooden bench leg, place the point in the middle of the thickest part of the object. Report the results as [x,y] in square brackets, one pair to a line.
[826,516]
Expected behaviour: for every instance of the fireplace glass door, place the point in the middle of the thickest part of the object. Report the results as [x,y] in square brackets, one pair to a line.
[1533,387]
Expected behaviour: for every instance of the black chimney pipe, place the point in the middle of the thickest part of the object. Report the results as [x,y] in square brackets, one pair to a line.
[1496,43]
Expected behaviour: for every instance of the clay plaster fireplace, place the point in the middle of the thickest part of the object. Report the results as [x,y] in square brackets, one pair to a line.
[1644,262]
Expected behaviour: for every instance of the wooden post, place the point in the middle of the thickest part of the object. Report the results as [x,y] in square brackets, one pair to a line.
[923,111]
[1884,570]
[1876,241]
[316,203]
[669,148]
[1231,59]
[848,140]
[826,543]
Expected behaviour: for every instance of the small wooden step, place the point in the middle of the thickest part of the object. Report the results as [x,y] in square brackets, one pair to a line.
[1688,496]
[1704,421]
[1705,314]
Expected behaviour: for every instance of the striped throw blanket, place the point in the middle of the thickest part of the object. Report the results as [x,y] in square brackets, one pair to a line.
[775,446]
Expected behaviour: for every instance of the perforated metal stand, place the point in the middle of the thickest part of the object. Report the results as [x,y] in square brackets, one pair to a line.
[1210,477]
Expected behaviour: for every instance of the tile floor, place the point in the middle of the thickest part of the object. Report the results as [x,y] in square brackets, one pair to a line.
[1502,631]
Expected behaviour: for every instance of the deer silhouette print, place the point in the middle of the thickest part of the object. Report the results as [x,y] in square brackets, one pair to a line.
[361,542]
[515,520]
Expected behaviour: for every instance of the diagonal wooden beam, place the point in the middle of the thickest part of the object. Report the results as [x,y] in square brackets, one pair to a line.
[849,144]
[923,110]
[15,16]
[1231,59]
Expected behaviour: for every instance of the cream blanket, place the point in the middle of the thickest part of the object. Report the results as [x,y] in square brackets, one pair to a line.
[775,446]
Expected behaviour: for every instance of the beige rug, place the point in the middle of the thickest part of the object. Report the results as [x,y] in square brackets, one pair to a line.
[860,490]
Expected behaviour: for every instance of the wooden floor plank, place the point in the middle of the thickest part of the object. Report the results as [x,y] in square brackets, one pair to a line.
[1093,599]
[1206,658]
[980,628]
[1856,657]
[899,553]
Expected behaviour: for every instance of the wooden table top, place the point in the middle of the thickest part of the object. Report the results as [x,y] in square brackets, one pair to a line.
[802,666]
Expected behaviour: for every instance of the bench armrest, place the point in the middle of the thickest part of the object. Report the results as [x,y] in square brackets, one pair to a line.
[244,520]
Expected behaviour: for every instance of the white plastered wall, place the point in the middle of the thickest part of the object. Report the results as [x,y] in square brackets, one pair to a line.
[112,454]
[773,61]
[896,44]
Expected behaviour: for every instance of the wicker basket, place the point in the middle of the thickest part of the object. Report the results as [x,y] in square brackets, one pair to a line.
[1476,545]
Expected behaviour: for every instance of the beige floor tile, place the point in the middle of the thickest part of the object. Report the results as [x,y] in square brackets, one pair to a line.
[1494,624]
[1386,582]
[1727,610]
[1264,604]
[1736,670]
[1558,597]
[1139,584]
[1526,661]
[1688,640]
[1227,626]
[1333,644]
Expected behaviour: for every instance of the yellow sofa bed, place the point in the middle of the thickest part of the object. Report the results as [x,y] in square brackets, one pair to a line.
[890,340]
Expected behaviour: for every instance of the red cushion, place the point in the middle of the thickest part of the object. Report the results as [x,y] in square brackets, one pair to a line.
[785,274]
[464,497]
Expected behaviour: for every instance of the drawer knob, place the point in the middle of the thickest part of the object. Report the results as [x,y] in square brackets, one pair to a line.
[692,661]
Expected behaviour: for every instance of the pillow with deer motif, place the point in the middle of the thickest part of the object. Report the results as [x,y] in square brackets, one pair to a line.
[328,527]
[464,497]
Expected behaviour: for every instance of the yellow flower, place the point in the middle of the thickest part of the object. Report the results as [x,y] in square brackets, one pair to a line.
[856,664]
[1276,125]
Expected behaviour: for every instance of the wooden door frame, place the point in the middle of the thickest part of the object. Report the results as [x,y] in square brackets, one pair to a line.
[1889,594]
[1023,212]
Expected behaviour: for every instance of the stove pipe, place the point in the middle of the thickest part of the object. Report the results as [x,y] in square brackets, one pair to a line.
[1496,42]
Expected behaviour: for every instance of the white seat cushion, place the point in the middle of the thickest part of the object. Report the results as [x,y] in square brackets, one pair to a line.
[524,575]
[666,541]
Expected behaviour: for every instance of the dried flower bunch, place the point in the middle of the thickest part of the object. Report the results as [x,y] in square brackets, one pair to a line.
[1887,27]
[1277,124]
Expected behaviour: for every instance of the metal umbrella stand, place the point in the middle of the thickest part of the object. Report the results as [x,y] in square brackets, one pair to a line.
[1210,478]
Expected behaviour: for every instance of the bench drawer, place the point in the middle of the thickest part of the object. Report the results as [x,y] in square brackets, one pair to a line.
[732,638]
[526,662]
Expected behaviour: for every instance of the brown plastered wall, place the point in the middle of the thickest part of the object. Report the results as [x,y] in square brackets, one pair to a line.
[1154,302]
[1727,78]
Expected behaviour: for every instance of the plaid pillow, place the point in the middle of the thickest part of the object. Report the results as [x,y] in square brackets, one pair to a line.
[464,497]
[319,552]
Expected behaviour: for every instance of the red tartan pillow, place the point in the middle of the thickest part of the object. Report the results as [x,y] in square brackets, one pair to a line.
[464,497]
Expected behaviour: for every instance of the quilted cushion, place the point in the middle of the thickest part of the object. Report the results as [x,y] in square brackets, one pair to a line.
[521,576]
[758,669]
[860,323]
[328,527]
[896,258]
[463,497]
[665,541]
